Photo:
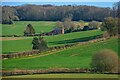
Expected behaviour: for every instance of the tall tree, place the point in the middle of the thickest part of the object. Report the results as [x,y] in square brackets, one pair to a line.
[29,30]
[35,43]
[111,26]
[39,44]
[117,11]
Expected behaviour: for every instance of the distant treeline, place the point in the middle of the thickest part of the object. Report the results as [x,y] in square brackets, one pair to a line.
[54,13]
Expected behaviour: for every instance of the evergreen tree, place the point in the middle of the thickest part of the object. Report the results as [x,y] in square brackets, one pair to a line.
[39,43]
[29,30]
[35,43]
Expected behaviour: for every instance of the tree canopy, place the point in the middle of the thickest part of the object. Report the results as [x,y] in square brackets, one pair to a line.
[54,13]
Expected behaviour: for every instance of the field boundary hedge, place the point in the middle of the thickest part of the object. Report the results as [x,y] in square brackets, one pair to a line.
[34,52]
[51,71]
[46,71]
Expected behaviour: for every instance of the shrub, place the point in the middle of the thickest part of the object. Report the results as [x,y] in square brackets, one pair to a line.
[42,44]
[94,24]
[105,61]
[86,28]
[106,35]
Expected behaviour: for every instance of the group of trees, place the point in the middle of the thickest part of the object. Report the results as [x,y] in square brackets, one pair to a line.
[9,14]
[112,24]
[67,24]
[54,13]
[39,44]
[72,26]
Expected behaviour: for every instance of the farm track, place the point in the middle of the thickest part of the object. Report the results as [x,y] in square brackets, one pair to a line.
[76,76]
[41,55]
[10,38]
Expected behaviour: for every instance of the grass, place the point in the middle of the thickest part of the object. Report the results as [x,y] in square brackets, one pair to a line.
[74,57]
[19,26]
[66,76]
[57,40]
[16,45]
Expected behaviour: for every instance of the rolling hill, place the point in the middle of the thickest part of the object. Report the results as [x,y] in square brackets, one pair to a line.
[25,44]
[74,57]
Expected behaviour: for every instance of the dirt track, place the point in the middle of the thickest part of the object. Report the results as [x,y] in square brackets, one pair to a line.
[10,38]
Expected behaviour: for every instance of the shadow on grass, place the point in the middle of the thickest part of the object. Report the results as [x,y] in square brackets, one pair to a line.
[75,40]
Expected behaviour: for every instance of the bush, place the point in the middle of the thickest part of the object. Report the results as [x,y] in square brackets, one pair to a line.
[106,35]
[86,28]
[94,24]
[105,61]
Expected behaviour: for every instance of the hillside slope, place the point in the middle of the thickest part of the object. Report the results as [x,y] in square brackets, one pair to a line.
[74,57]
[25,44]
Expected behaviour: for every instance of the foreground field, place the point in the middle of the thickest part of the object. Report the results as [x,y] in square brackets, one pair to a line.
[18,27]
[66,76]
[74,57]
[25,44]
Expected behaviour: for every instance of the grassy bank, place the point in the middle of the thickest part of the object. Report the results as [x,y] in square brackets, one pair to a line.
[74,57]
[25,44]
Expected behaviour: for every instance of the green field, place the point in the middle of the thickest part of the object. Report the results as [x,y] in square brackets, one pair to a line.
[74,57]
[66,76]
[19,26]
[56,40]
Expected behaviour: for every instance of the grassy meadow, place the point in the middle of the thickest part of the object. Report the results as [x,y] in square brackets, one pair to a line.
[74,57]
[65,40]
[25,43]
[19,26]
[40,26]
